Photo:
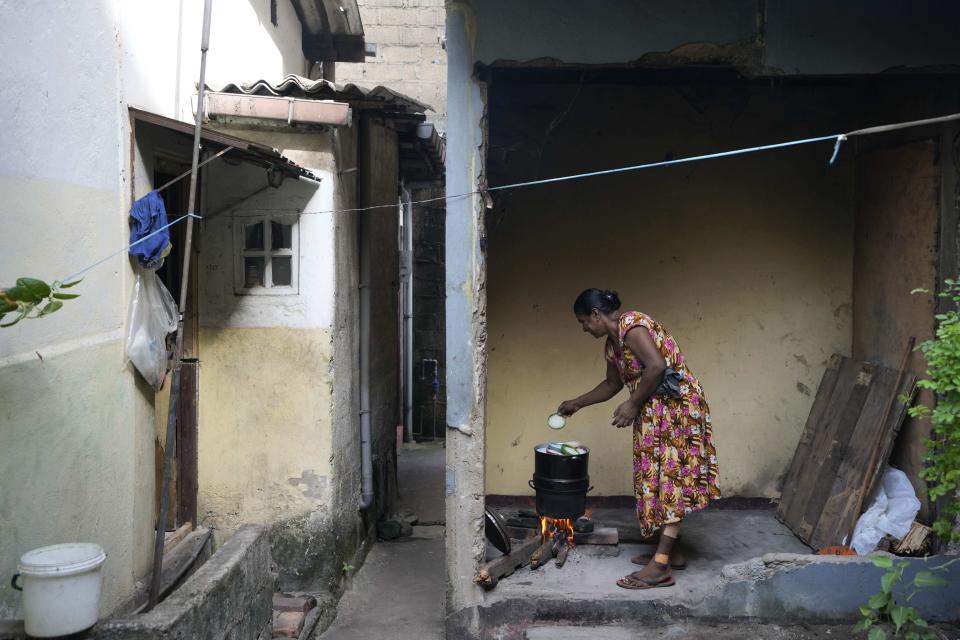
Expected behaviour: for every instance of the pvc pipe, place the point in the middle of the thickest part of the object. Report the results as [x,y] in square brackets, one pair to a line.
[408,316]
[366,448]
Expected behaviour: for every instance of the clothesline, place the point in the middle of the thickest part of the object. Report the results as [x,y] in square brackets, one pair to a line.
[837,138]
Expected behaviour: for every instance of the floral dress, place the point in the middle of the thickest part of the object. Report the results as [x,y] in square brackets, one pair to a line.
[674,460]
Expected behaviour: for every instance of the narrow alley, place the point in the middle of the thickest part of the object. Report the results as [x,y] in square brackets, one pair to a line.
[400,590]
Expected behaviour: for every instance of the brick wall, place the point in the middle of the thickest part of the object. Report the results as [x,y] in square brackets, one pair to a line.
[429,337]
[410,56]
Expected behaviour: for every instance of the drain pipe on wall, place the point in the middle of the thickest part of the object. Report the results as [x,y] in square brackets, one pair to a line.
[406,270]
[366,443]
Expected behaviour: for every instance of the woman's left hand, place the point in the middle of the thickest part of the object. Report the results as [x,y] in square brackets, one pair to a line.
[625,414]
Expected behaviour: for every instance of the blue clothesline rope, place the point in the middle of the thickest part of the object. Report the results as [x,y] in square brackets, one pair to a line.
[129,246]
[838,138]
[666,163]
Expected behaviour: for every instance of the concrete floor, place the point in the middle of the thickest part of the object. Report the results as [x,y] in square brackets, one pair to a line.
[711,540]
[420,471]
[400,591]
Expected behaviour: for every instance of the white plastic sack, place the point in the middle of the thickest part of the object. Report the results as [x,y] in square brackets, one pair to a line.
[892,511]
[153,314]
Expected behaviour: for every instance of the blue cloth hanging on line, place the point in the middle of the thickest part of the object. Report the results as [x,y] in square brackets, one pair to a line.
[149,215]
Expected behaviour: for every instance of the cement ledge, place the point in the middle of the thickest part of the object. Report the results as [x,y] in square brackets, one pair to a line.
[230,596]
[777,587]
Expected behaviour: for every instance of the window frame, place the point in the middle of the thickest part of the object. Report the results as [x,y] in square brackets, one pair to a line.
[267,253]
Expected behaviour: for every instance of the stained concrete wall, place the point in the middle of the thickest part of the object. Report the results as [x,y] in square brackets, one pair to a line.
[277,412]
[410,58]
[748,266]
[466,328]
[76,443]
[378,179]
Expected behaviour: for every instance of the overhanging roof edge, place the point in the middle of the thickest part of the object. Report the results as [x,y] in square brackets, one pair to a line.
[263,153]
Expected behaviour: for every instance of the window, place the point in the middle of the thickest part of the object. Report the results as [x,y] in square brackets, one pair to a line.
[267,255]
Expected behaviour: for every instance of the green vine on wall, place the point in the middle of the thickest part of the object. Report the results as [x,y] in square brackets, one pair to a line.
[32,298]
[942,454]
[883,616]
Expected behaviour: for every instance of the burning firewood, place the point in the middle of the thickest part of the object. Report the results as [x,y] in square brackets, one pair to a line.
[562,555]
[543,553]
[491,572]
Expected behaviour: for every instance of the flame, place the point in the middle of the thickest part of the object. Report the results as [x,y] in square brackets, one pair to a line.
[552,527]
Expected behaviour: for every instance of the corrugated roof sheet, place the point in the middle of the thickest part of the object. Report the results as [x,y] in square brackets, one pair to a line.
[294,86]
[422,149]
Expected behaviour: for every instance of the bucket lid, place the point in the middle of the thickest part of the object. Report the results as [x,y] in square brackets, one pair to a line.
[62,559]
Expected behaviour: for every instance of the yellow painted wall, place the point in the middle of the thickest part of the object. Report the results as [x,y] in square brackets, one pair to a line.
[265,424]
[748,262]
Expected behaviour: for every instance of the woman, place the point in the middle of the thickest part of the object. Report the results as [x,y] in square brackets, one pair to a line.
[674,460]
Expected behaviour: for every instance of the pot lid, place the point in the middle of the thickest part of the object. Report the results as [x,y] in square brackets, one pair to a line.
[495,529]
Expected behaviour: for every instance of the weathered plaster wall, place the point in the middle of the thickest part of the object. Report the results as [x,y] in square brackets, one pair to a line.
[347,523]
[466,328]
[378,175]
[748,262]
[279,405]
[408,36]
[265,409]
[776,37]
[75,427]
[266,360]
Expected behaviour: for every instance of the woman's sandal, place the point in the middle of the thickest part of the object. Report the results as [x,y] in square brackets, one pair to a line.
[645,558]
[634,581]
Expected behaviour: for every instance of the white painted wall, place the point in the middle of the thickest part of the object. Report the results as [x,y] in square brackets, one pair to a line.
[76,428]
[312,306]
[76,445]
[161,61]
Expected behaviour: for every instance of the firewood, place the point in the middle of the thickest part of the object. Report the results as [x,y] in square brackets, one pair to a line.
[543,553]
[914,542]
[562,556]
[491,572]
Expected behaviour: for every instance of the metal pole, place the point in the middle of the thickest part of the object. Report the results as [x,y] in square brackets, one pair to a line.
[178,349]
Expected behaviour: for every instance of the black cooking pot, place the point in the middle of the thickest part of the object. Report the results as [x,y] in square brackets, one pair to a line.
[561,483]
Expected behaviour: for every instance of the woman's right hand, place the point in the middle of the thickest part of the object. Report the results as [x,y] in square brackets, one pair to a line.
[568,408]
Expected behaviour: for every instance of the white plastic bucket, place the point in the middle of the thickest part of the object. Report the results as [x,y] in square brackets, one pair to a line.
[61,588]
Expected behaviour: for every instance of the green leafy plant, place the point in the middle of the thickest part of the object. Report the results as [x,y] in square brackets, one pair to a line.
[32,298]
[942,455]
[883,617]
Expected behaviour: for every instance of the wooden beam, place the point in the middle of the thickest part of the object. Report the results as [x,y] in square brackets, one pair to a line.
[187,443]
[173,538]
[491,572]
